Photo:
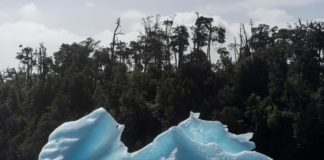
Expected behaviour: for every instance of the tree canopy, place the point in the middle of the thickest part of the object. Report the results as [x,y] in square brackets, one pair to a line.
[270,82]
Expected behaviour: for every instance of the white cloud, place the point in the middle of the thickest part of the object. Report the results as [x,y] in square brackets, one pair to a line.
[130,36]
[90,4]
[271,16]
[4,14]
[185,18]
[30,11]
[237,8]
[30,34]
[105,37]
[279,3]
[132,14]
[131,21]
[319,20]
[136,27]
[233,8]
[131,25]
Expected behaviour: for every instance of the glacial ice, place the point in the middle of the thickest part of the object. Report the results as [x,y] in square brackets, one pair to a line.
[97,137]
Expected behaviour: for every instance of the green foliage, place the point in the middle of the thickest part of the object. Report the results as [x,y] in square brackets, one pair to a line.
[274,87]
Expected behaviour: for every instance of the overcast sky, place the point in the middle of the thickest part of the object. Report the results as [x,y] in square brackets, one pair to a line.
[54,22]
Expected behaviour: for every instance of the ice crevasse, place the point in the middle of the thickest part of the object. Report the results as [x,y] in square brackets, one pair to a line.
[96,136]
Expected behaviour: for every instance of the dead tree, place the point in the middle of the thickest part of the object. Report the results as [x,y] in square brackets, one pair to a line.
[117,32]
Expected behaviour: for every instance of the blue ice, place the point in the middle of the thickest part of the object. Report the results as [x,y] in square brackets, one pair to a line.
[97,137]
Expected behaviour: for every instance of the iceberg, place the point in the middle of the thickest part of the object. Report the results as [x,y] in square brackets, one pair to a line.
[97,135]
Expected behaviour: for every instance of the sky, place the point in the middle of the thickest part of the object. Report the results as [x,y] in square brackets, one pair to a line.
[53,22]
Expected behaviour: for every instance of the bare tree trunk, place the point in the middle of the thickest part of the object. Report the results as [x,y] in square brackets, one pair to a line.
[209,44]
[175,59]
[116,32]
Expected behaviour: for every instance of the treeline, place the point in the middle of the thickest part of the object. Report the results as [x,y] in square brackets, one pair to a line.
[268,81]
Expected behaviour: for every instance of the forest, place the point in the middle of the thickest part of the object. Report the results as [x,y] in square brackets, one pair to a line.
[268,81]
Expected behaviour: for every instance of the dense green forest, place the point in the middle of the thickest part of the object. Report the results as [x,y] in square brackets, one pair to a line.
[268,81]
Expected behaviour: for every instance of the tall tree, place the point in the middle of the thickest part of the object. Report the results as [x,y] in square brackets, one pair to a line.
[137,55]
[43,62]
[168,31]
[117,32]
[179,43]
[205,33]
[26,57]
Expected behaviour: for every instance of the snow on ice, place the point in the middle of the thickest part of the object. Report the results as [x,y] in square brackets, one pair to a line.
[97,137]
